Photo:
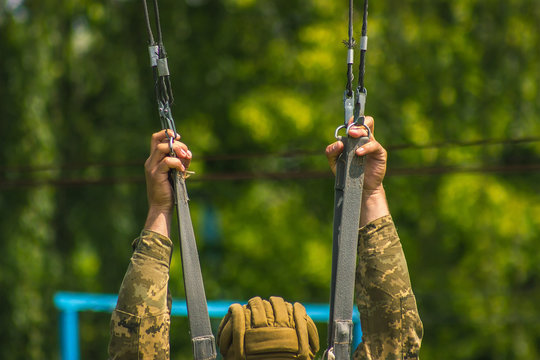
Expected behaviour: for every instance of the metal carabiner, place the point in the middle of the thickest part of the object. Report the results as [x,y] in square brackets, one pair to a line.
[360,105]
[364,125]
[348,128]
[337,130]
[348,107]
[171,145]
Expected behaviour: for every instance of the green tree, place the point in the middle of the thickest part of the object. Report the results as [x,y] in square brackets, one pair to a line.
[258,88]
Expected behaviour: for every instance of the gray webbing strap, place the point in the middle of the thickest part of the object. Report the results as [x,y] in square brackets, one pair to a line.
[204,346]
[199,322]
[347,202]
[347,207]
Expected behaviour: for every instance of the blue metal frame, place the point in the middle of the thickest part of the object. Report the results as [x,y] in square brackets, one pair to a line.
[70,303]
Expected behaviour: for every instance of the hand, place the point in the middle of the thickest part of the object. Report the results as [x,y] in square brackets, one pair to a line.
[374,203]
[158,188]
[376,156]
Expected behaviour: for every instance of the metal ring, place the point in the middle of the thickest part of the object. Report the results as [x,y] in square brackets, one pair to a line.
[337,130]
[171,142]
[171,147]
[364,125]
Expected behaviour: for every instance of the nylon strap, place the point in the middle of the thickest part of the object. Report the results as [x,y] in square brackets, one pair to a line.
[347,201]
[203,341]
[199,322]
[347,207]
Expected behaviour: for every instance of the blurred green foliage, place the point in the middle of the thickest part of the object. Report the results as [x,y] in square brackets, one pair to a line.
[266,77]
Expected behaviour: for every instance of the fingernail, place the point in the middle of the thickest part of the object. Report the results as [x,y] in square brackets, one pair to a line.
[183,152]
[189,154]
[360,150]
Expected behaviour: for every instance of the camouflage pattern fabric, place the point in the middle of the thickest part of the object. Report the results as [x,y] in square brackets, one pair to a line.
[390,322]
[141,321]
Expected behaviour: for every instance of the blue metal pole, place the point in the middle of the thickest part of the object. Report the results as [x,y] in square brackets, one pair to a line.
[69,335]
[357,331]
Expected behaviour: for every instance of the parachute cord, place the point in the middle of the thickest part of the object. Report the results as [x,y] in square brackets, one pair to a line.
[160,68]
[158,23]
[165,83]
[169,89]
[148,26]
[350,46]
[363,49]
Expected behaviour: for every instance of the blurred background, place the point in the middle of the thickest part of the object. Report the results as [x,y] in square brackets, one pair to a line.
[453,86]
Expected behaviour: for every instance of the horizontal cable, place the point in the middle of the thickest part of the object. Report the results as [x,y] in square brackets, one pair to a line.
[286,154]
[291,175]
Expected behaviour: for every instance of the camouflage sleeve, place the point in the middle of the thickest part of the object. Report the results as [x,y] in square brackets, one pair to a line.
[140,323]
[391,325]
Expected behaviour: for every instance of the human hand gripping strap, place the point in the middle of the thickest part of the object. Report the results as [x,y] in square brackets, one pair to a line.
[264,329]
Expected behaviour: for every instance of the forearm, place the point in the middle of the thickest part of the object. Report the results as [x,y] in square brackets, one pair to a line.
[374,205]
[390,322]
[158,220]
[140,323]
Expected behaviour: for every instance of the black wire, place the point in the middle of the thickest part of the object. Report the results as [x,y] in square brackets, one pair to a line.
[289,155]
[364,19]
[158,23]
[350,45]
[148,26]
[162,84]
[169,90]
[516,169]
[362,66]
[351,18]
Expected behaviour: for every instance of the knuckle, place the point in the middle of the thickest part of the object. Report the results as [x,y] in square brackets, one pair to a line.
[147,165]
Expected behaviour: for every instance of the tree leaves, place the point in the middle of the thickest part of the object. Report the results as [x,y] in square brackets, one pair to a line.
[258,88]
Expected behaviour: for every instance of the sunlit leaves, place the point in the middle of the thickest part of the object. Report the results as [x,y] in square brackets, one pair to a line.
[256,77]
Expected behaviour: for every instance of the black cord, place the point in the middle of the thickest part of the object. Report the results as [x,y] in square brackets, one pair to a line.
[148,26]
[162,83]
[350,45]
[362,65]
[158,24]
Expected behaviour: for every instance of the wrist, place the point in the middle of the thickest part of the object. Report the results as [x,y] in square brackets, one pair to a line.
[377,192]
[158,220]
[374,205]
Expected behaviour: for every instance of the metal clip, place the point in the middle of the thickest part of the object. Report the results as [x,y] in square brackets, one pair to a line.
[360,102]
[171,145]
[350,56]
[153,51]
[163,67]
[363,43]
[165,114]
[348,106]
[167,122]
[187,174]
